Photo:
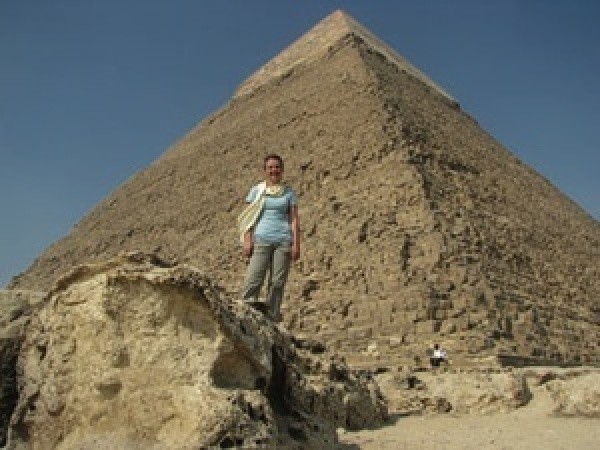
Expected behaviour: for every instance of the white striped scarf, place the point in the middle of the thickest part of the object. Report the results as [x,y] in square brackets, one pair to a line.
[248,217]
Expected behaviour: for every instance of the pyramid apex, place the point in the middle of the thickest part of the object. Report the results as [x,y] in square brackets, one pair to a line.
[339,15]
[317,41]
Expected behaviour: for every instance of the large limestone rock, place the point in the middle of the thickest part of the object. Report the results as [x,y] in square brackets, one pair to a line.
[539,391]
[15,307]
[418,226]
[577,397]
[133,353]
[455,391]
[574,393]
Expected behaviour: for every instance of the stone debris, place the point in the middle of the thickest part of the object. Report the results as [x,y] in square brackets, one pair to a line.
[131,354]
[573,392]
[459,391]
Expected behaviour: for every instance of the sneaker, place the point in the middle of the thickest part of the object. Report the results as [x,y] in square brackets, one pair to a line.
[259,306]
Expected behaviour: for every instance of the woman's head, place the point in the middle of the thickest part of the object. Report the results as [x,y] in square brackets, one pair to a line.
[273,165]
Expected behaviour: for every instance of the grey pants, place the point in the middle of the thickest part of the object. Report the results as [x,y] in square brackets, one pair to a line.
[275,257]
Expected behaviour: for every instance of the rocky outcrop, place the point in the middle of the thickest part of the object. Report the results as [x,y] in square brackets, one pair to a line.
[456,391]
[543,391]
[574,393]
[15,307]
[137,353]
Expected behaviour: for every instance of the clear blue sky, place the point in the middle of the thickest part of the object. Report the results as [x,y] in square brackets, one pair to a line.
[92,91]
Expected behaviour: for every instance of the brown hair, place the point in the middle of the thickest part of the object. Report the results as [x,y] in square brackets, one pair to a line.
[273,156]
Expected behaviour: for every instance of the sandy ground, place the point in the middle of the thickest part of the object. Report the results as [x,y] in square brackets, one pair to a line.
[529,427]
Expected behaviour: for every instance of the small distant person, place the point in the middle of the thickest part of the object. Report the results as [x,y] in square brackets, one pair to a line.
[438,356]
[270,233]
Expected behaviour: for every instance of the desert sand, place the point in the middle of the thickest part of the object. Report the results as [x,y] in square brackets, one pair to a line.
[530,427]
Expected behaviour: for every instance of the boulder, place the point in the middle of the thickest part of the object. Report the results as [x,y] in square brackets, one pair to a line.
[460,391]
[15,307]
[577,395]
[138,353]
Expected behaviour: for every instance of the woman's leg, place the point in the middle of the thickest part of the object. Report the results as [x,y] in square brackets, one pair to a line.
[279,273]
[257,268]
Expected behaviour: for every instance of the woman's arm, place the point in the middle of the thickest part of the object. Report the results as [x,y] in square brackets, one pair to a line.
[295,227]
[248,244]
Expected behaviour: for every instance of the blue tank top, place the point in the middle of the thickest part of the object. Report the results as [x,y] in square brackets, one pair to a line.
[273,226]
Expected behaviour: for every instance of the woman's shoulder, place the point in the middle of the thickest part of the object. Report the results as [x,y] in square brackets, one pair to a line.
[254,191]
[257,186]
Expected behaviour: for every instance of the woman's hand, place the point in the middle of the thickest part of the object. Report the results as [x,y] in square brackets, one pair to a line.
[295,252]
[295,228]
[248,246]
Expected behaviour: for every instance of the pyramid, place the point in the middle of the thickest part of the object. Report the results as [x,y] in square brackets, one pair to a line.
[418,227]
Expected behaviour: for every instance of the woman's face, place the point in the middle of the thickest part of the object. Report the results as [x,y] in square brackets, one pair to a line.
[273,171]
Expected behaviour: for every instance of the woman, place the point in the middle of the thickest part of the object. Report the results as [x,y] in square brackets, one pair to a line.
[269,230]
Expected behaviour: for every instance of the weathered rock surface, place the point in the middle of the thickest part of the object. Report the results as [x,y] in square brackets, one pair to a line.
[418,225]
[15,307]
[574,393]
[460,392]
[132,353]
[553,391]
